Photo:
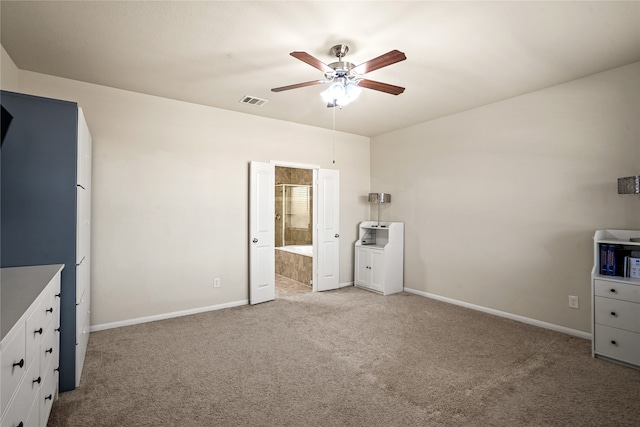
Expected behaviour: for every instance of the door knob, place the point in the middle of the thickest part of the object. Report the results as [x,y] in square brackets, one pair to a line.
[255,240]
[337,235]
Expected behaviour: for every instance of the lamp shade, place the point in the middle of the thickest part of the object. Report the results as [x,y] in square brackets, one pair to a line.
[379,198]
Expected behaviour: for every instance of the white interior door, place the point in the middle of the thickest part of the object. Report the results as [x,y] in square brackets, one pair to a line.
[328,230]
[261,232]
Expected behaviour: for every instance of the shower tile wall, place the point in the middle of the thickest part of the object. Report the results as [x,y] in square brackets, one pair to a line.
[294,176]
[292,236]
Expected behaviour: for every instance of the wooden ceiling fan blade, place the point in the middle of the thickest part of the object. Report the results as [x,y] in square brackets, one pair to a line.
[382,87]
[298,85]
[311,60]
[379,62]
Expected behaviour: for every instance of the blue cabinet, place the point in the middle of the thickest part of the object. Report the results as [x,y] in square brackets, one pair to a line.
[45,208]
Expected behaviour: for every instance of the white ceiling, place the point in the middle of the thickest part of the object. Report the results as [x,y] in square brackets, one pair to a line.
[460,55]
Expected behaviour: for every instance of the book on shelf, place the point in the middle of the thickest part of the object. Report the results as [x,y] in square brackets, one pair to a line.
[618,260]
[614,265]
[604,253]
[632,267]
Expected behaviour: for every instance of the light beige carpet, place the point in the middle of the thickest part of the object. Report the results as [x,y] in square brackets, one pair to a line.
[346,358]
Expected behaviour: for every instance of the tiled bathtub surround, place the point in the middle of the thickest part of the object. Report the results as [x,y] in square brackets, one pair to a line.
[294,266]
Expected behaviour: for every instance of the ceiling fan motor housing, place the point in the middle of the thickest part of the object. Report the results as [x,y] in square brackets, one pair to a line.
[340,69]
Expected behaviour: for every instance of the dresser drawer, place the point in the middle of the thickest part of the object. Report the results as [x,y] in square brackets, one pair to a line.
[12,357]
[33,419]
[618,314]
[617,344]
[34,331]
[48,393]
[616,290]
[18,410]
[49,352]
[50,307]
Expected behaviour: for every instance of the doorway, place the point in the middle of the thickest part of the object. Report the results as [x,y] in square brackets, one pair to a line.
[325,229]
[293,230]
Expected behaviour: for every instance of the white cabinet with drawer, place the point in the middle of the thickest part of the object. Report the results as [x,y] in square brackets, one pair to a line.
[29,347]
[616,301]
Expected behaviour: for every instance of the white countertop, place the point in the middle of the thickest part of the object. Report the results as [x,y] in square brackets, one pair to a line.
[19,287]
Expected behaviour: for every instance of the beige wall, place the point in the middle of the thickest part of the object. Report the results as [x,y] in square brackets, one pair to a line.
[500,202]
[9,73]
[170,195]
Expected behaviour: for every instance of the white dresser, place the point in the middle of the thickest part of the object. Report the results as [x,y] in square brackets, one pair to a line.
[616,302]
[29,349]
[379,257]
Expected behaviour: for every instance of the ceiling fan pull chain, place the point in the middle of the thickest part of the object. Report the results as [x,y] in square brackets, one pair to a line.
[334,135]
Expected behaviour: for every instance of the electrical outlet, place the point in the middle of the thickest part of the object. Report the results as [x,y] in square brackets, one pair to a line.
[216,282]
[573,302]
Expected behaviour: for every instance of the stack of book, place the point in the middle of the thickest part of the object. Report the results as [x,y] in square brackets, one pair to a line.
[616,260]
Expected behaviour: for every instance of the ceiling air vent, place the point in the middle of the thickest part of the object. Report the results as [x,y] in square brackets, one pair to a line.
[252,100]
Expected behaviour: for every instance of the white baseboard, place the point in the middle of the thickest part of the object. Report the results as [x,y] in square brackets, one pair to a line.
[534,322]
[129,322]
[138,320]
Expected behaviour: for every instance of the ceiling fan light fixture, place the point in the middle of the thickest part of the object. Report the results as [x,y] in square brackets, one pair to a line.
[353,90]
[341,92]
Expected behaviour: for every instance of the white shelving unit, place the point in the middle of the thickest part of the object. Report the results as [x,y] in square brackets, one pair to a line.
[379,257]
[615,304]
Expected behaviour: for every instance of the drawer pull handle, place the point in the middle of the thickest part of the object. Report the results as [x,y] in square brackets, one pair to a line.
[48,397]
[38,331]
[614,342]
[49,351]
[38,380]
[20,363]
[49,310]
[613,313]
[613,291]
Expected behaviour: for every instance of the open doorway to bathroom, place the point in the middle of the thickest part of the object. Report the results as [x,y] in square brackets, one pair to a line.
[293,230]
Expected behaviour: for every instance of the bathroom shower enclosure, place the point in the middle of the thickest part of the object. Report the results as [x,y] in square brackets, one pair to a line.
[293,214]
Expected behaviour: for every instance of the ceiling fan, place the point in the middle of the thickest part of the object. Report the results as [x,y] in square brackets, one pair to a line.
[346,78]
